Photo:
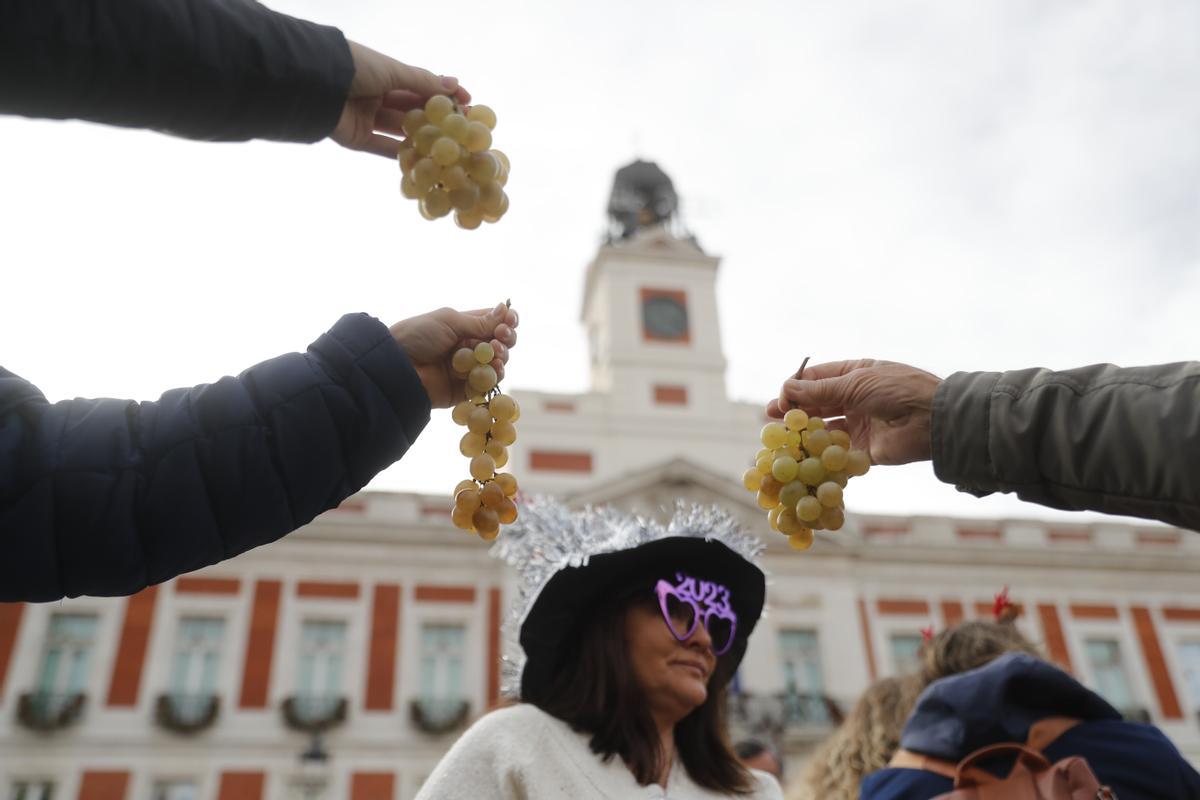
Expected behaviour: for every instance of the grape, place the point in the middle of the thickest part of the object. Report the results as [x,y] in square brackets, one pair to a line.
[840,438]
[482,378]
[795,420]
[841,478]
[801,540]
[857,463]
[462,360]
[815,424]
[784,468]
[818,440]
[447,148]
[832,519]
[830,494]
[508,483]
[480,420]
[469,499]
[500,458]
[787,522]
[483,467]
[487,523]
[438,107]
[764,463]
[767,501]
[773,517]
[811,471]
[808,508]
[774,435]
[484,353]
[833,457]
[504,432]
[507,513]
[479,138]
[771,485]
[464,484]
[482,114]
[491,495]
[791,493]
[752,479]
[454,125]
[472,444]
[463,519]
[503,407]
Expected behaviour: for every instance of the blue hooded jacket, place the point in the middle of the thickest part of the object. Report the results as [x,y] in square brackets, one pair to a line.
[105,497]
[1000,701]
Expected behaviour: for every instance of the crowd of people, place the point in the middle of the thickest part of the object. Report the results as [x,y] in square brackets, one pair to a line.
[629,639]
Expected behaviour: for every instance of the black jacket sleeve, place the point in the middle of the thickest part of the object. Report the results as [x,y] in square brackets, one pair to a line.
[202,69]
[104,497]
[1100,438]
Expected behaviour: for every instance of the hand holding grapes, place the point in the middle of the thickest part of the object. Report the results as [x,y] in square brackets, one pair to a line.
[431,339]
[886,405]
[382,91]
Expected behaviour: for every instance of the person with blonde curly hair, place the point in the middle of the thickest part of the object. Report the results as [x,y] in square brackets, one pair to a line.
[863,743]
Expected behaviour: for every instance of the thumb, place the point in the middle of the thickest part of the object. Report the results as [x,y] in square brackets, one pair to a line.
[418,80]
[476,324]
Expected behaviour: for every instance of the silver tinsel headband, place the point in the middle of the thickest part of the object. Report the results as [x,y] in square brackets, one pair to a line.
[548,537]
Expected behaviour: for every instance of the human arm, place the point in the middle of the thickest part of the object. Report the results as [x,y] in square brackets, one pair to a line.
[104,497]
[219,70]
[1101,438]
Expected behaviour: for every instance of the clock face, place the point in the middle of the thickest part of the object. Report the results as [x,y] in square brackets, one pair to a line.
[664,317]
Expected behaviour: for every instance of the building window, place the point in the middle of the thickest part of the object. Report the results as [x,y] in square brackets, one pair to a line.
[906,653]
[1189,657]
[442,659]
[1108,671]
[322,654]
[803,678]
[197,657]
[32,790]
[308,789]
[664,316]
[175,790]
[68,654]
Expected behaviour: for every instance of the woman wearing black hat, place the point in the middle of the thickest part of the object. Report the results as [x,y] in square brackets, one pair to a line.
[629,634]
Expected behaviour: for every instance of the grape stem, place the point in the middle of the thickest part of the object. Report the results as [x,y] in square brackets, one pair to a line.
[800,373]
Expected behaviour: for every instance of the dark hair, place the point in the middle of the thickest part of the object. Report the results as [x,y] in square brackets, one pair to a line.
[594,691]
[969,645]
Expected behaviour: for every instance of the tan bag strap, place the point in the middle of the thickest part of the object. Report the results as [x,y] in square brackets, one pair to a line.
[1030,760]
[1045,731]
[907,759]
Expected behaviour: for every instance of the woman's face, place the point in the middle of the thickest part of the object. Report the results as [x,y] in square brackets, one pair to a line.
[672,675]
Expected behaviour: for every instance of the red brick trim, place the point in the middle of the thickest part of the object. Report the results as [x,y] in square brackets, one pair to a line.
[187,585]
[670,395]
[1159,539]
[979,534]
[103,785]
[131,651]
[260,649]
[1052,632]
[1181,614]
[385,636]
[952,612]
[241,786]
[558,407]
[1068,537]
[902,606]
[10,626]
[445,594]
[560,461]
[1160,676]
[493,665]
[885,530]
[372,786]
[675,294]
[1094,611]
[329,589]
[868,644]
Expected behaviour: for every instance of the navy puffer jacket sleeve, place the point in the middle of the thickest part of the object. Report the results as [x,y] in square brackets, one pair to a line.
[204,69]
[105,497]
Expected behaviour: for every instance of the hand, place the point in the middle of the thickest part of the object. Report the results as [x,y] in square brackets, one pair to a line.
[886,405]
[431,339]
[382,90]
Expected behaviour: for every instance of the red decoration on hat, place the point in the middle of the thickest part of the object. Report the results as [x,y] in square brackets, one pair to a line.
[1004,609]
[927,634]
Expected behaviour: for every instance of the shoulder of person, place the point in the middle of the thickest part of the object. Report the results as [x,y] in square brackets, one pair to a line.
[522,719]
[765,786]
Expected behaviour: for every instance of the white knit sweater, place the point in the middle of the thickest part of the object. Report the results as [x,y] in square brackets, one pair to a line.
[523,753]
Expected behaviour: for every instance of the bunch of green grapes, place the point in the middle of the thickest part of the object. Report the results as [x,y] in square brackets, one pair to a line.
[484,502]
[447,163]
[800,473]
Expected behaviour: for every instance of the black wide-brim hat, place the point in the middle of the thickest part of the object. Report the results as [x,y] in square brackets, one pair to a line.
[574,593]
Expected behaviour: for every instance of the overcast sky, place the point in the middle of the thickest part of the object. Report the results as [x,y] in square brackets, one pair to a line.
[960,185]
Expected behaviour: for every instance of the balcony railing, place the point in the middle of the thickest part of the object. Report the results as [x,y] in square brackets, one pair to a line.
[439,715]
[50,711]
[186,713]
[784,712]
[314,713]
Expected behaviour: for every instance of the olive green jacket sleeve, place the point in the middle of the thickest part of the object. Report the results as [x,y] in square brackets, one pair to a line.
[1099,438]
